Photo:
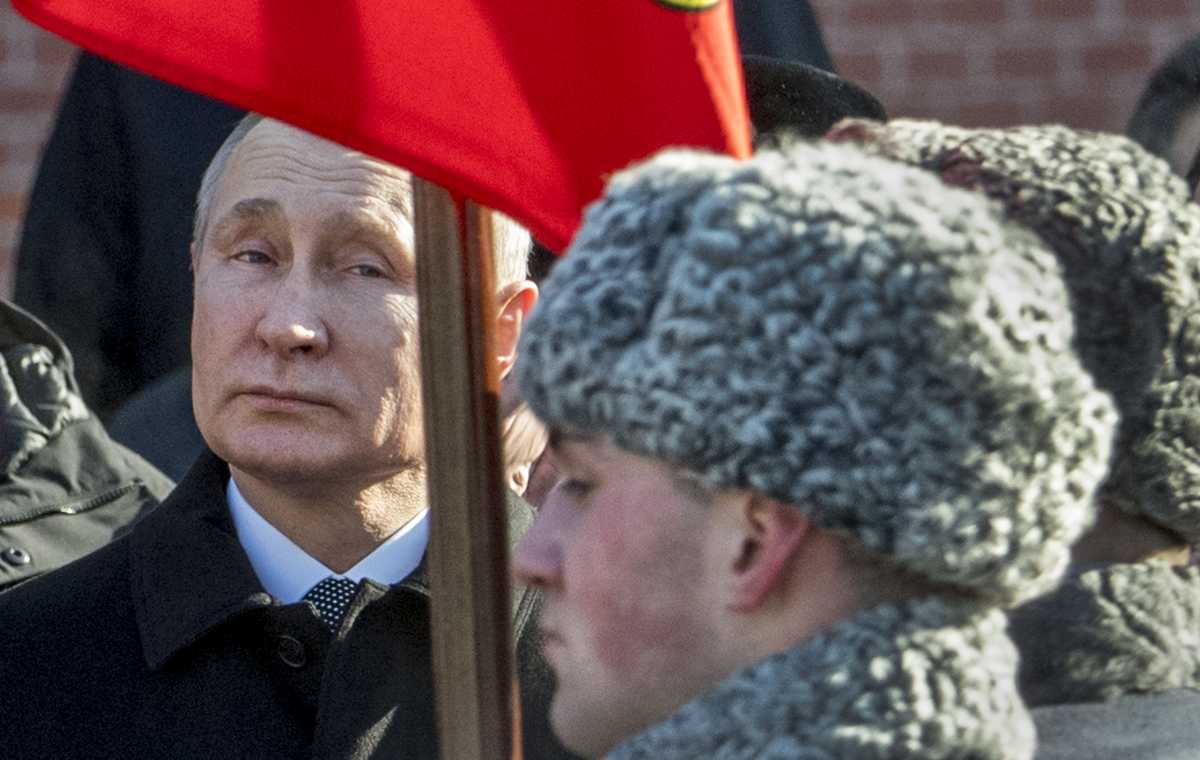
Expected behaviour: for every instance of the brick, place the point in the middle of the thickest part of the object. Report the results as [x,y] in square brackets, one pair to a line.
[938,65]
[22,99]
[1025,62]
[1118,56]
[25,152]
[995,114]
[16,174]
[881,12]
[1156,8]
[12,205]
[1063,9]
[966,11]
[54,50]
[865,69]
[1079,112]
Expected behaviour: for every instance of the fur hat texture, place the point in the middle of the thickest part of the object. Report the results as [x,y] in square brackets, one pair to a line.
[843,333]
[1127,237]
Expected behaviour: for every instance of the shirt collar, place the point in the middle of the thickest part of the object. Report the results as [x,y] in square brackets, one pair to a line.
[190,574]
[287,572]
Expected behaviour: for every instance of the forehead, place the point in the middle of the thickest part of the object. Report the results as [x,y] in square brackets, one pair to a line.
[596,452]
[284,164]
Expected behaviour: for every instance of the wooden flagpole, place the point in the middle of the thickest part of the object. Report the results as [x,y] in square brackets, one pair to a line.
[468,547]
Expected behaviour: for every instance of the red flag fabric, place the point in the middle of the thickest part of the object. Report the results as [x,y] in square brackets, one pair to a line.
[522,105]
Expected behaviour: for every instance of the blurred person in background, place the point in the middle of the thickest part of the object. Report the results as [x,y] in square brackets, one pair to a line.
[1166,119]
[67,488]
[1111,660]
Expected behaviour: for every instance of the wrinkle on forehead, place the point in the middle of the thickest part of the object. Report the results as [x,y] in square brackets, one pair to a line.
[274,151]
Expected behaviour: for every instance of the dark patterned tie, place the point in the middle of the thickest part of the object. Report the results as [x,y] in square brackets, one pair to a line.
[330,598]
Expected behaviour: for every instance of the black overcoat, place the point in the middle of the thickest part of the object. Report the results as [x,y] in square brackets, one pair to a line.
[163,644]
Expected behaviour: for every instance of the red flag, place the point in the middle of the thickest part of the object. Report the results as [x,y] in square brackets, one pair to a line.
[522,105]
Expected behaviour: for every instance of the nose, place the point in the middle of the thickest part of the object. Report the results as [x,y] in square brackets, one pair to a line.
[292,324]
[537,559]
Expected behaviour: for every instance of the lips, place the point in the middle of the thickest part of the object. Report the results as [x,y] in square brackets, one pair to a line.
[548,634]
[283,396]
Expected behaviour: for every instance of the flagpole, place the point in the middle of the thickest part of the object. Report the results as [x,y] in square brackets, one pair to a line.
[468,547]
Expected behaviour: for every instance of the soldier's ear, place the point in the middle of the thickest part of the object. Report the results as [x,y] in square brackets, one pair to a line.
[769,536]
[514,301]
[193,252]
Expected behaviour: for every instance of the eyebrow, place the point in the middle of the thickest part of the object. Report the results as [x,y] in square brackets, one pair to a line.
[262,210]
[559,438]
[373,230]
[351,224]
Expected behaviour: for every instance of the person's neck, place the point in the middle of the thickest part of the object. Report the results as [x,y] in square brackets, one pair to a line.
[337,523]
[1119,537]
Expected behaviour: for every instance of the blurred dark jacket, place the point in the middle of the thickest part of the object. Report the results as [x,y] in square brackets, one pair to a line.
[157,422]
[786,29]
[66,488]
[103,256]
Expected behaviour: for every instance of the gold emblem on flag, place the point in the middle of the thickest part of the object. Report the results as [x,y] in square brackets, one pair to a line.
[690,5]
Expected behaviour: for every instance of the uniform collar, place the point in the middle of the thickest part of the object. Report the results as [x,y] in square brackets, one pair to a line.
[287,572]
[189,573]
[915,679]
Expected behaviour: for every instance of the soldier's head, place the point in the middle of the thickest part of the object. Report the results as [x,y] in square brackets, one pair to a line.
[781,391]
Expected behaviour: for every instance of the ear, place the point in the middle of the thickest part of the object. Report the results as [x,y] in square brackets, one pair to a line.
[852,130]
[957,169]
[193,252]
[769,536]
[515,300]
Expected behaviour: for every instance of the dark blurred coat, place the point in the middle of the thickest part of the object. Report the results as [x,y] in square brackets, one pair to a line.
[103,256]
[66,488]
[164,645]
[785,29]
[1110,663]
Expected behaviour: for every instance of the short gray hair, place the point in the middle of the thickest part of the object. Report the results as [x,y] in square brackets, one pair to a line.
[512,241]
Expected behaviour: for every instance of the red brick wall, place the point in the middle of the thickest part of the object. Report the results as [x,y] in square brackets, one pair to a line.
[1000,62]
[1082,62]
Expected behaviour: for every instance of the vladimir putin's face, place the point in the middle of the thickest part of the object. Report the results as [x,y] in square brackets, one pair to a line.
[304,340]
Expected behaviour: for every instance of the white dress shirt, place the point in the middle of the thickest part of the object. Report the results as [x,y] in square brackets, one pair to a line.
[287,572]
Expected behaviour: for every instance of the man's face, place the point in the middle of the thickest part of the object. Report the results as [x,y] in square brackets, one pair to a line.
[304,336]
[622,554]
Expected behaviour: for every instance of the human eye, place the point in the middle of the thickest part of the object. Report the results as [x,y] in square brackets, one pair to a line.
[368,270]
[252,256]
[576,488]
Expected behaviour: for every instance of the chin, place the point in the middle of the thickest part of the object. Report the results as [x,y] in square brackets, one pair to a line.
[582,726]
[286,455]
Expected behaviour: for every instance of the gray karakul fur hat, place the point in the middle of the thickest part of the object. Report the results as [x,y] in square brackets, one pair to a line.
[1127,237]
[842,333]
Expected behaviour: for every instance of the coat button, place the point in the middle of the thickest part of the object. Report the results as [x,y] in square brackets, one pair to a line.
[15,557]
[291,652]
